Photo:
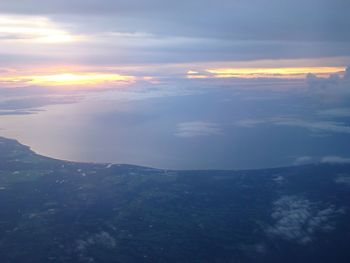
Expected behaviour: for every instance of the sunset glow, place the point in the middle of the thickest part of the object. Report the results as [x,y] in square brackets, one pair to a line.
[65,79]
[296,72]
[175,131]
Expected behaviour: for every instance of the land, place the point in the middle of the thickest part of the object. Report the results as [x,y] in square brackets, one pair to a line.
[61,211]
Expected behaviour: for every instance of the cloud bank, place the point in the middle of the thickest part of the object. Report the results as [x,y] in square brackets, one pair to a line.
[154,31]
[197,129]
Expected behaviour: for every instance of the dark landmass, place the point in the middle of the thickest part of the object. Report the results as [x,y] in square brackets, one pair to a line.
[60,211]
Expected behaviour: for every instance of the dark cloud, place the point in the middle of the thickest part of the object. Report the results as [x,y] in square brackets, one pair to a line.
[190,50]
[184,31]
[258,20]
[18,112]
[347,74]
[332,90]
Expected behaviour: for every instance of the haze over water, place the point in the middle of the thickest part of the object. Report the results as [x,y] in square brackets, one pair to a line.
[185,85]
[173,127]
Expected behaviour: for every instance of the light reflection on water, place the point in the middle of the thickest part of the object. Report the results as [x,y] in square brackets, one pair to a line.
[145,131]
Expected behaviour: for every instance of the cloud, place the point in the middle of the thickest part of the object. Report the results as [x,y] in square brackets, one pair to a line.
[297,219]
[18,112]
[336,112]
[303,160]
[204,18]
[68,79]
[335,160]
[250,123]
[316,126]
[102,238]
[33,103]
[131,31]
[32,28]
[31,100]
[343,179]
[330,90]
[197,128]
[325,159]
[347,74]
[270,73]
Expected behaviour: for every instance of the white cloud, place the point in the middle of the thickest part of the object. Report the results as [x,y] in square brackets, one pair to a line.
[315,126]
[343,179]
[20,28]
[250,123]
[303,160]
[336,112]
[99,239]
[297,219]
[335,159]
[197,128]
[312,125]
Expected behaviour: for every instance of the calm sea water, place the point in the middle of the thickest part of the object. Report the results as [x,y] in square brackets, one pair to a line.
[212,129]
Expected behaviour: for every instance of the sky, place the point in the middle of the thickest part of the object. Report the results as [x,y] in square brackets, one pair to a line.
[178,84]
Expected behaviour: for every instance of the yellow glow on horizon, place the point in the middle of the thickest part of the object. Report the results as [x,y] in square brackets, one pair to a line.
[197,76]
[67,79]
[295,72]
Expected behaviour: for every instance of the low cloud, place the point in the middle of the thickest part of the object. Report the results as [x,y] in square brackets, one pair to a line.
[303,160]
[335,159]
[330,90]
[336,112]
[197,128]
[250,123]
[343,179]
[297,219]
[83,246]
[18,112]
[317,126]
[24,105]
